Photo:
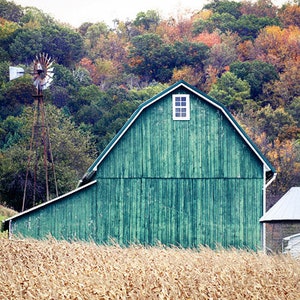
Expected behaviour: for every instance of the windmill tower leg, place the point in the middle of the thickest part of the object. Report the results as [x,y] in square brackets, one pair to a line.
[40,140]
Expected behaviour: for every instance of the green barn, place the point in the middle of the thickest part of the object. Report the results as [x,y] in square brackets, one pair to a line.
[181,171]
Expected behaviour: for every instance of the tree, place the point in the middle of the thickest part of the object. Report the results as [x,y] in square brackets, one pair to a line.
[147,20]
[249,26]
[63,44]
[289,15]
[35,18]
[223,22]
[7,28]
[14,95]
[277,46]
[93,33]
[259,8]
[73,151]
[282,92]
[209,39]
[231,91]
[150,59]
[276,123]
[188,74]
[223,54]
[191,54]
[171,30]
[221,7]
[256,73]
[10,11]
[25,45]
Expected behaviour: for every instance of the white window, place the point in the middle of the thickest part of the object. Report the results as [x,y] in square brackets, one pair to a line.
[181,107]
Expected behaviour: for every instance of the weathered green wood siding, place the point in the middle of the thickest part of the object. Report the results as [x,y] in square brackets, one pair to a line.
[71,218]
[177,182]
[181,182]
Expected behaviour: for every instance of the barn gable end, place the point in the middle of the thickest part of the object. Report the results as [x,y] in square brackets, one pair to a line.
[196,179]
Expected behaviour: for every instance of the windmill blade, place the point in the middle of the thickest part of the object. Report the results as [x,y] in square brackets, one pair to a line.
[51,71]
[15,72]
[47,84]
[42,71]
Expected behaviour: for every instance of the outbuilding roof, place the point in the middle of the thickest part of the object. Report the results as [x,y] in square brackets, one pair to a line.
[287,208]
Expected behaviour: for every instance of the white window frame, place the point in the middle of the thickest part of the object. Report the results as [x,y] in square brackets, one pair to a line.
[178,109]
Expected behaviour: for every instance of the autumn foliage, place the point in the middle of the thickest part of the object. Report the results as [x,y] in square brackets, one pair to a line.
[103,73]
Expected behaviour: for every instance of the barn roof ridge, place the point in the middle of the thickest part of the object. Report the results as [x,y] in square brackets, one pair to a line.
[93,168]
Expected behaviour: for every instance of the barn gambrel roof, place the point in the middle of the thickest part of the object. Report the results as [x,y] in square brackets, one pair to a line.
[270,171]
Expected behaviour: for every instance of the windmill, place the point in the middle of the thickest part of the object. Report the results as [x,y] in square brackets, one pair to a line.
[40,142]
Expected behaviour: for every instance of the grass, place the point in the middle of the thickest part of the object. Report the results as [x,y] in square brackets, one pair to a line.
[53,269]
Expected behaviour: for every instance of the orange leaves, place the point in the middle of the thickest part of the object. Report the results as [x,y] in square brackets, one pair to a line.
[275,45]
[172,31]
[290,15]
[186,73]
[208,39]
[88,64]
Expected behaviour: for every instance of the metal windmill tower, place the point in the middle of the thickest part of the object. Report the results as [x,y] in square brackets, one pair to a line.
[40,146]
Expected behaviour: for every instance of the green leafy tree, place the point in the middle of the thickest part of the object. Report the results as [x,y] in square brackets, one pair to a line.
[14,95]
[63,44]
[221,7]
[26,44]
[231,91]
[147,20]
[10,11]
[276,123]
[7,28]
[256,73]
[93,33]
[294,110]
[33,17]
[190,54]
[249,26]
[222,22]
[72,148]
[150,58]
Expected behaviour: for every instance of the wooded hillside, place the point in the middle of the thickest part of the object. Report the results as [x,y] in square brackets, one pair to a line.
[244,54]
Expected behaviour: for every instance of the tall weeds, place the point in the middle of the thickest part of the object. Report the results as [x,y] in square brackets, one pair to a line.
[50,269]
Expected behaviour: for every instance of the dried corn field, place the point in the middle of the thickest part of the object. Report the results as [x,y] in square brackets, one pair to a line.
[60,270]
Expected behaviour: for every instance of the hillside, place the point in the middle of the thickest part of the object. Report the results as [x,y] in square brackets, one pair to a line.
[244,54]
[59,270]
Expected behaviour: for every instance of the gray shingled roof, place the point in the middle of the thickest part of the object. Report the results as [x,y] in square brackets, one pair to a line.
[287,208]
